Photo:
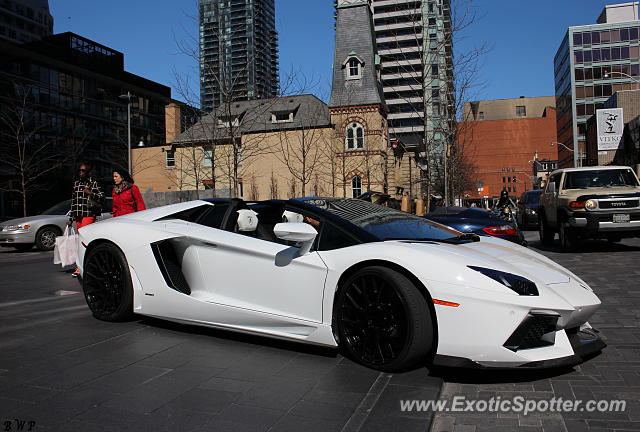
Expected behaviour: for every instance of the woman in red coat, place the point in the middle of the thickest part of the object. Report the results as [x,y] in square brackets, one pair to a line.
[126,196]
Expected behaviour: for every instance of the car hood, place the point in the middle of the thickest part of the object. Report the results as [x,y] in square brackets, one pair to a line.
[32,219]
[500,255]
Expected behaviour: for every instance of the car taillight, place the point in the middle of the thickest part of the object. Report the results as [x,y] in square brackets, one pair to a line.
[577,204]
[500,230]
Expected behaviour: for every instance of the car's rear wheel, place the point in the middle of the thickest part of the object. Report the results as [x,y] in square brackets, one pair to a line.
[107,283]
[46,238]
[546,235]
[383,321]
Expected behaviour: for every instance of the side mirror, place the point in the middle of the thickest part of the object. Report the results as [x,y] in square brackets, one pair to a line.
[551,188]
[299,232]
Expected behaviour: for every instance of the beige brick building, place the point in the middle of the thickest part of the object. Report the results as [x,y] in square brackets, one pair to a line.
[290,146]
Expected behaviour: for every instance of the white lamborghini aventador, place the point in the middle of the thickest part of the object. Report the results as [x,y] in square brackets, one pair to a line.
[392,290]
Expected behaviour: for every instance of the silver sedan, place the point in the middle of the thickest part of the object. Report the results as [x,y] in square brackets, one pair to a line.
[41,230]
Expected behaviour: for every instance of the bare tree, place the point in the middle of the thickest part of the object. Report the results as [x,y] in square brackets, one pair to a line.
[437,84]
[302,150]
[273,186]
[28,144]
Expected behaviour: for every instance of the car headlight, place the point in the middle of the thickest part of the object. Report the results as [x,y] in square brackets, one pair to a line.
[519,284]
[590,204]
[17,227]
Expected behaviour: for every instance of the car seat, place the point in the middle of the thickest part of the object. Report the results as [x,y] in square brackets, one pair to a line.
[289,216]
[247,222]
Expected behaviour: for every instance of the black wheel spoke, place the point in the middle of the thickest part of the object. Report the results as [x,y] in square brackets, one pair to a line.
[373,320]
[105,282]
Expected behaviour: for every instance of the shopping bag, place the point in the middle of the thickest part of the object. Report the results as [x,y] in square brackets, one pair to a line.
[66,250]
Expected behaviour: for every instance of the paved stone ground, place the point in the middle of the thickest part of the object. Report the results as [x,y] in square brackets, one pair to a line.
[613,271]
[63,370]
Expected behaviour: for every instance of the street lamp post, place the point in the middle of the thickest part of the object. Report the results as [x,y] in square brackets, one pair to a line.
[552,143]
[128,97]
[635,80]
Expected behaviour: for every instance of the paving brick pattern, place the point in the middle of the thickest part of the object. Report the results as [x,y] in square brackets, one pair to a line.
[613,271]
[63,370]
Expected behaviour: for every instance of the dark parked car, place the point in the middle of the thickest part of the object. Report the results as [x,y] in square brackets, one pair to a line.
[528,208]
[479,221]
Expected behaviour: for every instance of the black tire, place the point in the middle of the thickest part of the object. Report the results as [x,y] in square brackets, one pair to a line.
[545,232]
[567,238]
[46,237]
[106,283]
[383,321]
[23,247]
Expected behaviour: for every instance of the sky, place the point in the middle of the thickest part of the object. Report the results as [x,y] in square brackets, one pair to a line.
[522,35]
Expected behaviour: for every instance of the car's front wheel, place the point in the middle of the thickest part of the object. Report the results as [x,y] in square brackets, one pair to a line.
[46,238]
[106,283]
[383,321]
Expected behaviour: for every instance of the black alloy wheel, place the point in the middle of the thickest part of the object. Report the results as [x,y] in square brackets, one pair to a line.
[46,238]
[383,321]
[107,283]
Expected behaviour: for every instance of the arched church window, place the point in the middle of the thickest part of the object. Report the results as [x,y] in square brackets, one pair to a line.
[356,186]
[355,136]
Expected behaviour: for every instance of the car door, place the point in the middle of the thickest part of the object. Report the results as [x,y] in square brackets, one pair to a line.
[243,271]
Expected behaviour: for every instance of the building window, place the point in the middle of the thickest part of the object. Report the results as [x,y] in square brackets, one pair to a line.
[434,70]
[436,108]
[481,115]
[228,121]
[521,111]
[170,158]
[282,117]
[355,136]
[435,93]
[206,158]
[354,68]
[356,186]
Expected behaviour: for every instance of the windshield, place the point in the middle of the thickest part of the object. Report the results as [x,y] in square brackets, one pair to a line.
[59,209]
[532,198]
[385,223]
[599,178]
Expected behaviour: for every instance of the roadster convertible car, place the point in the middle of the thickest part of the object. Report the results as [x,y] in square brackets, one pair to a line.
[392,290]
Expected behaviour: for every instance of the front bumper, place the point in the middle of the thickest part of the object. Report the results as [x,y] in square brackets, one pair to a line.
[600,224]
[530,219]
[511,331]
[585,344]
[10,238]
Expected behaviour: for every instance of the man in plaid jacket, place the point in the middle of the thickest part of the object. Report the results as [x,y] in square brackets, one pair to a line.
[86,201]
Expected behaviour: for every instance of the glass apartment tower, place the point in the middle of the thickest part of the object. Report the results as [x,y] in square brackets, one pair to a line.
[24,21]
[413,39]
[593,62]
[238,51]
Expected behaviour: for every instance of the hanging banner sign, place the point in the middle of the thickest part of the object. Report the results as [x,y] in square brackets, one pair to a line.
[610,124]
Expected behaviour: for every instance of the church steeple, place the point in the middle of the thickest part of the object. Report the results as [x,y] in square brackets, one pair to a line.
[356,64]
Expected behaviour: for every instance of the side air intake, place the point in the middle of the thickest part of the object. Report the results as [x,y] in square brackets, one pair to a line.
[170,266]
